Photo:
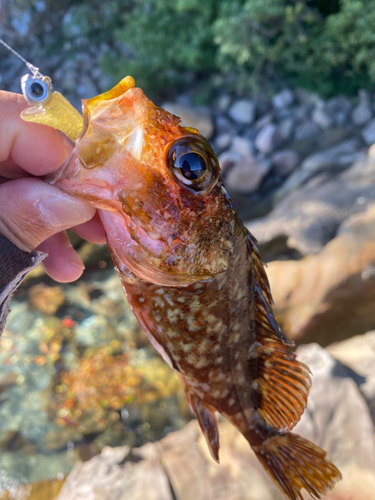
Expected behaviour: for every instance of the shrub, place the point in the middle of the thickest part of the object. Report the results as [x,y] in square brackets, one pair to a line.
[322,45]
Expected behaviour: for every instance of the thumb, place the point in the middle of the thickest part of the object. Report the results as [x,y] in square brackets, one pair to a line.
[32,210]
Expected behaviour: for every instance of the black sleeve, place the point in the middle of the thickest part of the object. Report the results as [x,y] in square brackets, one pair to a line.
[14,265]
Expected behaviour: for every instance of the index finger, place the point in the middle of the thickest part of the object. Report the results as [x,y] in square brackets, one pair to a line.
[37,149]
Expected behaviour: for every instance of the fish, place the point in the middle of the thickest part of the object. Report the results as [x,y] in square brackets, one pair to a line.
[195,279]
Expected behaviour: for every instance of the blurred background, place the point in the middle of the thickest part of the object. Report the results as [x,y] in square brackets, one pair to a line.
[285,91]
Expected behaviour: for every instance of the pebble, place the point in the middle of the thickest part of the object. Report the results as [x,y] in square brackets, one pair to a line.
[362,113]
[283,162]
[243,146]
[245,177]
[223,125]
[229,159]
[197,117]
[86,88]
[283,99]
[333,157]
[368,133]
[305,130]
[321,117]
[340,107]
[268,139]
[223,141]
[242,111]
[285,128]
[223,102]
[264,120]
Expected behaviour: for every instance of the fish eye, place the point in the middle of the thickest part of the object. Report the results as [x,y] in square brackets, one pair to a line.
[193,164]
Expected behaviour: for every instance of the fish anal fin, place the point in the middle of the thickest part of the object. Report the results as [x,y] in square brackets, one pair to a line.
[281,384]
[207,421]
[294,463]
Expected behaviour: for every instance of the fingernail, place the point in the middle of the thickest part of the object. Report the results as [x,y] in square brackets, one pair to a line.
[73,258]
[62,211]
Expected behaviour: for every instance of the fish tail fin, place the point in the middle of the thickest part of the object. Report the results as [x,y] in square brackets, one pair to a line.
[294,463]
[207,422]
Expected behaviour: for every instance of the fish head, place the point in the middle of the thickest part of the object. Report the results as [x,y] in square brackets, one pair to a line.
[167,215]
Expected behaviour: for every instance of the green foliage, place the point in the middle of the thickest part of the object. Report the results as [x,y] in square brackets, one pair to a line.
[323,45]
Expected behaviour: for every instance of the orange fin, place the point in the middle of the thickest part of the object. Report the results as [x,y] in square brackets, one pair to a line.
[208,424]
[295,463]
[281,384]
[266,325]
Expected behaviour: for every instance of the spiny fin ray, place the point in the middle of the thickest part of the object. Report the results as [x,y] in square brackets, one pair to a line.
[295,463]
[207,422]
[282,382]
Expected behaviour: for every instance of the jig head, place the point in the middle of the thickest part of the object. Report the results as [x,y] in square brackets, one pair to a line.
[46,106]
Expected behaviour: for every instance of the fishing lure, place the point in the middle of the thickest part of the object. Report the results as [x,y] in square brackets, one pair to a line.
[192,273]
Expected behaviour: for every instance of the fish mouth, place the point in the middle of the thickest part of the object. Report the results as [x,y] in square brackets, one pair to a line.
[89,105]
[118,90]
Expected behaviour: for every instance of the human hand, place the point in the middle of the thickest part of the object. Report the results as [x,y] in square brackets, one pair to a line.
[34,214]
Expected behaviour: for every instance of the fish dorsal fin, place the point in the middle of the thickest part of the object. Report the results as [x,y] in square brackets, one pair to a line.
[281,383]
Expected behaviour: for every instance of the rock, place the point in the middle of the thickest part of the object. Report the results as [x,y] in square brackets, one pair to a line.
[199,117]
[242,111]
[309,217]
[305,130]
[285,128]
[223,125]
[368,133]
[245,177]
[223,102]
[243,172]
[263,121]
[340,107]
[283,162]
[358,353]
[362,113]
[243,146]
[337,158]
[223,141]
[179,467]
[321,117]
[268,139]
[330,296]
[229,159]
[283,99]
[337,418]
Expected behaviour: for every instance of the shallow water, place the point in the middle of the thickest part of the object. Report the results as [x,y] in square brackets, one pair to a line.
[76,374]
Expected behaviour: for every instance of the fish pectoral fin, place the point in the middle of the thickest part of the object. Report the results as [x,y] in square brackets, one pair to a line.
[207,421]
[281,385]
[294,463]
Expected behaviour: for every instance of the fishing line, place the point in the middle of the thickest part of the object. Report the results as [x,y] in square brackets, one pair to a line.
[34,70]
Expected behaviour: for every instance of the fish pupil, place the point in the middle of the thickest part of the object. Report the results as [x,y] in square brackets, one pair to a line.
[192,166]
[36,89]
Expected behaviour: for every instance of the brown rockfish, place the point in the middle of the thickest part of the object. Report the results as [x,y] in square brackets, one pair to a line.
[195,279]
